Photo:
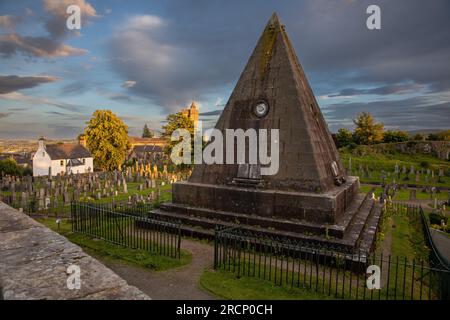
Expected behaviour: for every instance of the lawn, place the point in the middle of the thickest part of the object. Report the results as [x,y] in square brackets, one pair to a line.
[103,250]
[403,194]
[226,285]
[377,162]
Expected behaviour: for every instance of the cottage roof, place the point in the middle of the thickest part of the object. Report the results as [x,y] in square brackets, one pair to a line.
[74,163]
[67,151]
[148,148]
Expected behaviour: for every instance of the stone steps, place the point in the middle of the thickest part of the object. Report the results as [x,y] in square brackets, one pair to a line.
[368,236]
[357,227]
[359,220]
[203,228]
[254,220]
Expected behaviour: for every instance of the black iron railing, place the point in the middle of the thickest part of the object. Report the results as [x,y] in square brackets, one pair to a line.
[326,271]
[131,230]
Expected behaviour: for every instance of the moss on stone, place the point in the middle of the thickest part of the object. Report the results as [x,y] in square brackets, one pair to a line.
[269,37]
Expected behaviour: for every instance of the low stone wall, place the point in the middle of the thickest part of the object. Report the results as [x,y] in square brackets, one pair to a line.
[34,262]
[439,149]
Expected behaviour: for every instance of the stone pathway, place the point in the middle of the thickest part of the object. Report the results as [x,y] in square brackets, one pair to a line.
[442,243]
[174,284]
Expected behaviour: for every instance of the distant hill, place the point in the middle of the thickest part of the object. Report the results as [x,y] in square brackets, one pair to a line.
[24,145]
[424,131]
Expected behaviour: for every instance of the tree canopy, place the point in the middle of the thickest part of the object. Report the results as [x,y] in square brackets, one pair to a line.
[344,137]
[146,133]
[10,167]
[368,131]
[107,139]
[177,121]
[395,136]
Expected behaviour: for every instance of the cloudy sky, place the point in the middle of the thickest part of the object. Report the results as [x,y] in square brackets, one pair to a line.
[145,59]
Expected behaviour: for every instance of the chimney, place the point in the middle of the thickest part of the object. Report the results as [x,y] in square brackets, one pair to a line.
[82,140]
[41,143]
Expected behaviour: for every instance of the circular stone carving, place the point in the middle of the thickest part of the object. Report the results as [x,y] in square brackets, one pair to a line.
[261,109]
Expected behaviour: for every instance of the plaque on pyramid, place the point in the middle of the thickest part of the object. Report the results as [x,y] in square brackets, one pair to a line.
[310,197]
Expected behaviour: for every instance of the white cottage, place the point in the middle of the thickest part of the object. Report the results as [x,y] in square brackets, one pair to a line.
[62,158]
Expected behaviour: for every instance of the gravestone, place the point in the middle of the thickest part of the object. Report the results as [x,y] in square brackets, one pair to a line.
[310,193]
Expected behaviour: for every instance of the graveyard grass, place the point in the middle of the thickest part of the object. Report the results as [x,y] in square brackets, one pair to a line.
[103,250]
[403,195]
[377,162]
[407,242]
[226,285]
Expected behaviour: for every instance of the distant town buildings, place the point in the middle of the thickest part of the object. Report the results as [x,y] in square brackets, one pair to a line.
[62,158]
[23,159]
[147,150]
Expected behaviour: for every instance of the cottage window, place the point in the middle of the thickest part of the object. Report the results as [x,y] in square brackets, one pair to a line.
[84,161]
[62,162]
[43,154]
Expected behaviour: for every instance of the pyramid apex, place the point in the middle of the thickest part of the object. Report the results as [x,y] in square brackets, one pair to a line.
[274,20]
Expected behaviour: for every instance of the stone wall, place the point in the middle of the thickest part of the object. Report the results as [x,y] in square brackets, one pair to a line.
[439,149]
[34,262]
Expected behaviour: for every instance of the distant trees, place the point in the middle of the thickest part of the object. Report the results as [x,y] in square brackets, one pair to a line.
[367,131]
[344,137]
[395,136]
[9,166]
[433,137]
[107,139]
[146,133]
[444,135]
[439,136]
[177,121]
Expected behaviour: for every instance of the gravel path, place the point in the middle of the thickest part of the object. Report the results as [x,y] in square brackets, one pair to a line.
[442,242]
[174,284]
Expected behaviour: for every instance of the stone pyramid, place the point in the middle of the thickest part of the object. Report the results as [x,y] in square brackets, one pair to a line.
[274,75]
[310,198]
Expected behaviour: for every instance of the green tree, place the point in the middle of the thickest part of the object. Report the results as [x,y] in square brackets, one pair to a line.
[419,137]
[433,137]
[146,133]
[444,135]
[177,121]
[344,137]
[395,136]
[10,167]
[107,139]
[368,131]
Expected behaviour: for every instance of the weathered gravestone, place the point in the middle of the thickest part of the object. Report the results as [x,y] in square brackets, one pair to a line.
[310,197]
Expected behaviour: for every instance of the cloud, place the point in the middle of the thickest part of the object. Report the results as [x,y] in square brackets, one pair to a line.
[36,46]
[167,69]
[384,90]
[9,22]
[119,97]
[420,112]
[33,101]
[56,113]
[11,44]
[56,23]
[128,84]
[211,113]
[13,83]
[75,88]
[51,45]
